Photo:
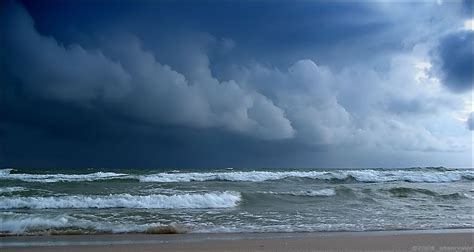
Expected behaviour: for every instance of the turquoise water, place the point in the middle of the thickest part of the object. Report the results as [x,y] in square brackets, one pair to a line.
[233,200]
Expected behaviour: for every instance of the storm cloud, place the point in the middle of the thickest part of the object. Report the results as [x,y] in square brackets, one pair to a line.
[457,60]
[135,83]
[470,121]
[193,98]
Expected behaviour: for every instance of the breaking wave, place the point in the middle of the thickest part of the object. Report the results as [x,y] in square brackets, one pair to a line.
[50,178]
[206,200]
[311,193]
[12,189]
[367,176]
[364,176]
[35,224]
[407,192]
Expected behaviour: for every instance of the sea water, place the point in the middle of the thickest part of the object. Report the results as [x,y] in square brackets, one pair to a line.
[91,201]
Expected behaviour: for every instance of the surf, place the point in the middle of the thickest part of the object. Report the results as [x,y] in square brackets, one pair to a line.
[178,201]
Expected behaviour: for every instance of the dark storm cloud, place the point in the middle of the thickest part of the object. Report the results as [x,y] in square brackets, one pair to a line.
[288,30]
[56,134]
[457,56]
[130,80]
[468,8]
[252,84]
[470,121]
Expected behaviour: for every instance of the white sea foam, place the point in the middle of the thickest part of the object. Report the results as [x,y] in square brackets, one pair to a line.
[323,192]
[250,176]
[469,196]
[366,175]
[20,223]
[409,176]
[49,178]
[5,171]
[12,189]
[359,175]
[205,200]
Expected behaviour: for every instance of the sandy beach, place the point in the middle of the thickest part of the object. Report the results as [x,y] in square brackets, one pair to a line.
[427,240]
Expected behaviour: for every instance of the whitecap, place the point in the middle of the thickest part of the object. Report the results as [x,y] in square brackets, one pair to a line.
[21,223]
[366,176]
[322,192]
[50,178]
[312,193]
[205,200]
[250,176]
[12,189]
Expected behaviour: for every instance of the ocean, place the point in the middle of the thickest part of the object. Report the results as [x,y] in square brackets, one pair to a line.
[96,201]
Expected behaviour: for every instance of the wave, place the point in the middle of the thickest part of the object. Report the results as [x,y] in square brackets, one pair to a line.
[337,176]
[407,191]
[366,176]
[250,176]
[19,223]
[311,193]
[206,200]
[51,178]
[37,224]
[5,171]
[12,189]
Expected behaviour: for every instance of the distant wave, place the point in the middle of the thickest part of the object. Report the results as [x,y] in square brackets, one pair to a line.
[364,176]
[50,178]
[311,193]
[367,176]
[205,200]
[12,189]
[4,172]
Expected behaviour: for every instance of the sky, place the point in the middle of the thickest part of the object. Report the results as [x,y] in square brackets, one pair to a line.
[256,84]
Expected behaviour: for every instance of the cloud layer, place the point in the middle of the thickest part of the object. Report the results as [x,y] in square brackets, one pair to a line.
[457,60]
[135,83]
[403,106]
[470,121]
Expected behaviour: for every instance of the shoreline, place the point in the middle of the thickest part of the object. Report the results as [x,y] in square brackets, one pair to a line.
[400,240]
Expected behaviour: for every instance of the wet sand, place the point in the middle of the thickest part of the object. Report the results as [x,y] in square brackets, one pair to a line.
[427,240]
